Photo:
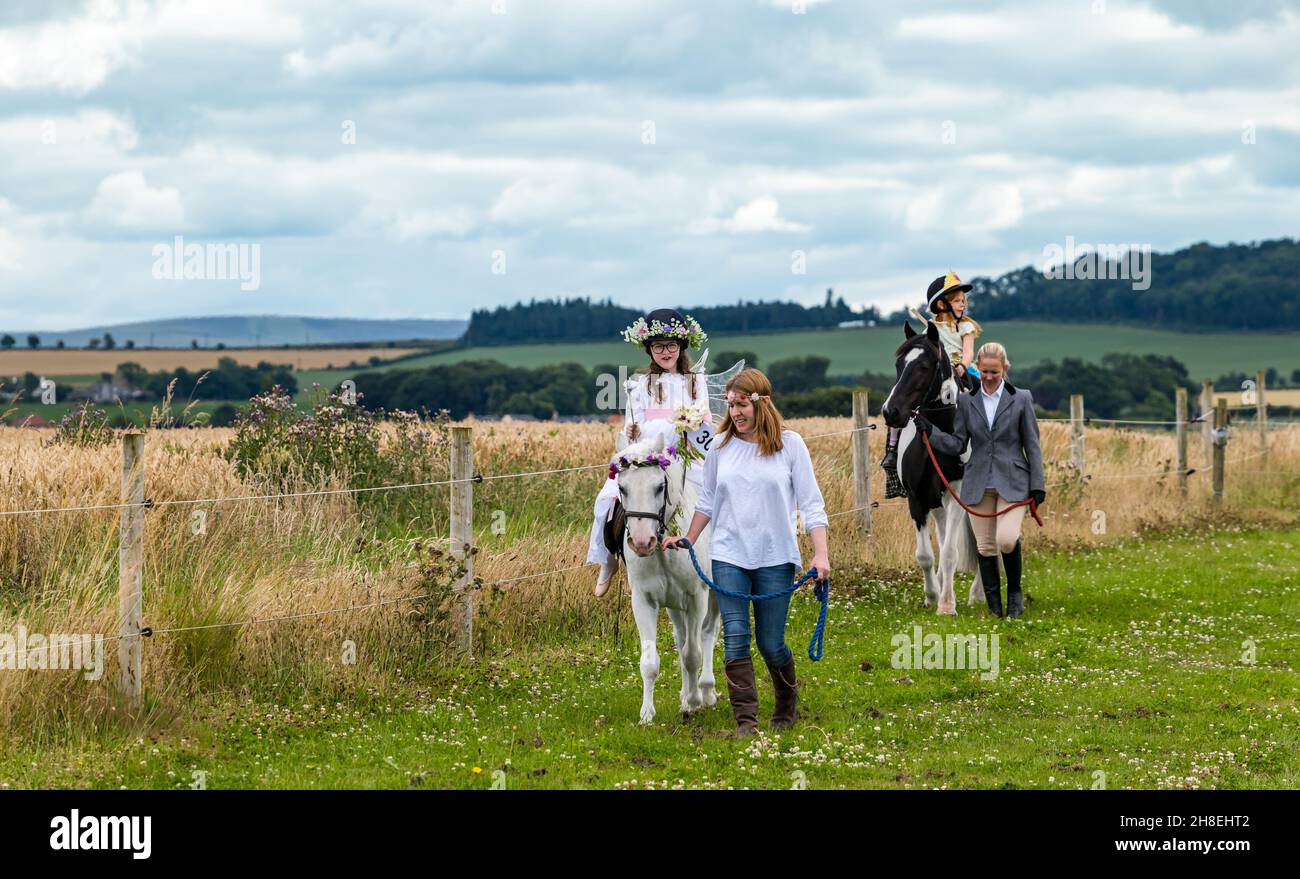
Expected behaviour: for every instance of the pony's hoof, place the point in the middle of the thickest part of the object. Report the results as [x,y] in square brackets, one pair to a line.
[946,610]
[709,695]
[647,715]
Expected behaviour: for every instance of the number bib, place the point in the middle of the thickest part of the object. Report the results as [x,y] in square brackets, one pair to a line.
[703,438]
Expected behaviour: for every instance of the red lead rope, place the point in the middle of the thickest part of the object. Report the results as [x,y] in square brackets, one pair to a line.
[1033,504]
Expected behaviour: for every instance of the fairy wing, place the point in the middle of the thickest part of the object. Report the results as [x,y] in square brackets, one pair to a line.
[717,385]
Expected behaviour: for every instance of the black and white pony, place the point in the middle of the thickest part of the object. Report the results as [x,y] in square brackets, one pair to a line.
[926,381]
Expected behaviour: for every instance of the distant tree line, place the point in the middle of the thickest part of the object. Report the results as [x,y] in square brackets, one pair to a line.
[230,380]
[573,320]
[1122,385]
[482,387]
[1205,287]
[1234,381]
[488,387]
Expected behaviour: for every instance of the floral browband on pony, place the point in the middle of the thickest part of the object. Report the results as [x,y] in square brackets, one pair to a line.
[663,462]
[691,333]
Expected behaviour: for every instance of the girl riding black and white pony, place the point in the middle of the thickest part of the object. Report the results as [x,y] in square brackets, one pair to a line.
[957,333]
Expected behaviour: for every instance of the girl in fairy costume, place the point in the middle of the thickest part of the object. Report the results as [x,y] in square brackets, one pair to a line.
[946,300]
[666,396]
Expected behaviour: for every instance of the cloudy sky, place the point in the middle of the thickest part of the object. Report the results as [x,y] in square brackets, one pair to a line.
[409,158]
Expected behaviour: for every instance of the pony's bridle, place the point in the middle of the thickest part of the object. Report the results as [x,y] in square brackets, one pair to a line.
[662,516]
[933,392]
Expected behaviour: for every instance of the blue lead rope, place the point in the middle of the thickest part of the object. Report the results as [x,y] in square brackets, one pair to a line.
[821,591]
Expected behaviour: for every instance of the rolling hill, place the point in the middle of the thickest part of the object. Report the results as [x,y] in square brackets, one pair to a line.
[251,331]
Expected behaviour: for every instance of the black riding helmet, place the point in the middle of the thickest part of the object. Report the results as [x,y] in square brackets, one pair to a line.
[941,288]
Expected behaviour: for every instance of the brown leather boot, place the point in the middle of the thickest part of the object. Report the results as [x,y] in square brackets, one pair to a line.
[786,687]
[743,693]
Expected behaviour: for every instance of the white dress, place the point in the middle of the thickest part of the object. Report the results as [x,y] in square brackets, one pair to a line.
[653,417]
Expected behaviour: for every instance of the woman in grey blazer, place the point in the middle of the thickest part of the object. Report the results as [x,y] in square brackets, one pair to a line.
[1005,466]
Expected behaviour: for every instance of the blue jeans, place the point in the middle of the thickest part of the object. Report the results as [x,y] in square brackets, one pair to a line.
[769,616]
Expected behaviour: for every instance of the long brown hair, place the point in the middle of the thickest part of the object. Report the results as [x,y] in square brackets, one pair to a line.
[768,422]
[945,316]
[654,370]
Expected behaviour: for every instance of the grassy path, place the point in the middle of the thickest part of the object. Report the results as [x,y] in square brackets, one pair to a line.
[1129,663]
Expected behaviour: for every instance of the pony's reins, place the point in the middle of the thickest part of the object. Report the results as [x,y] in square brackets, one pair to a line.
[1033,504]
[821,590]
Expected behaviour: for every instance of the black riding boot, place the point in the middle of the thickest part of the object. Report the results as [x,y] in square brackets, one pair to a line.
[992,582]
[1015,598]
[893,486]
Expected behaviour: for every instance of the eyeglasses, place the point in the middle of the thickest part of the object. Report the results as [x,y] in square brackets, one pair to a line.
[665,348]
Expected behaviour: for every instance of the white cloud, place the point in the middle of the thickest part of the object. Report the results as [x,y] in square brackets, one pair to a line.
[522,131]
[762,214]
[74,55]
[249,22]
[10,250]
[125,202]
[966,209]
[79,54]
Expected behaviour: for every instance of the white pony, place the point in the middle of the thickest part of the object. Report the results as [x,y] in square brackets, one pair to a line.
[652,495]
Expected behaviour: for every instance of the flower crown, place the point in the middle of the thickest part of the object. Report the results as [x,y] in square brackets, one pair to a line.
[624,463]
[690,332]
[752,396]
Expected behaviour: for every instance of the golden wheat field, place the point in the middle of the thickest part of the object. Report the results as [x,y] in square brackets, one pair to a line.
[312,556]
[1273,396]
[54,361]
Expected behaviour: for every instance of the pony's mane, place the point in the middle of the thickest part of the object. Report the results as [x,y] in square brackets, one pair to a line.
[638,449]
[908,344]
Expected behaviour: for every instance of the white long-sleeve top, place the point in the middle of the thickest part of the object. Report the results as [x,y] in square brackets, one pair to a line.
[751,500]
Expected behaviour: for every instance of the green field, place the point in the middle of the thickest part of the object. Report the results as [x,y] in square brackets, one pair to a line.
[1127,670]
[853,351]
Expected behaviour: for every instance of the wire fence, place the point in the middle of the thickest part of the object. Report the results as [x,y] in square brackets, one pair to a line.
[147,632]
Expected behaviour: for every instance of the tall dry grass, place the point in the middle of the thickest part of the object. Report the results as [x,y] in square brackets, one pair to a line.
[310,556]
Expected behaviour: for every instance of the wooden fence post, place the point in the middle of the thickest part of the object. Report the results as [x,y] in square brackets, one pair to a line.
[861,462]
[462,529]
[1207,426]
[1220,443]
[1261,413]
[130,574]
[1076,434]
[1180,436]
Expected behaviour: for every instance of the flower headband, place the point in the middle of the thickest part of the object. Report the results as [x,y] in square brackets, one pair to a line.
[690,332]
[753,397]
[623,463]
